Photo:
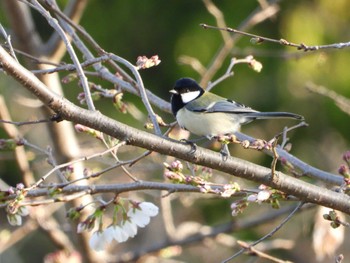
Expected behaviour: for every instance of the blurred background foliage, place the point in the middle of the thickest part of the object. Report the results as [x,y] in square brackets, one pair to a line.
[170,29]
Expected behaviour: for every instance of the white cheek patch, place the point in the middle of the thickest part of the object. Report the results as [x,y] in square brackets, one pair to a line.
[189,96]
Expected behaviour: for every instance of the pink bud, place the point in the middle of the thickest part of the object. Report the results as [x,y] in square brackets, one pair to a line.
[346,156]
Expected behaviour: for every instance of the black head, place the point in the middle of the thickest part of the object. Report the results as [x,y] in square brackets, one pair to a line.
[186,85]
[185,90]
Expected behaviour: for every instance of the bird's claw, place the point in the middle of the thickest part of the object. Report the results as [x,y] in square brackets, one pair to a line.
[225,153]
[192,144]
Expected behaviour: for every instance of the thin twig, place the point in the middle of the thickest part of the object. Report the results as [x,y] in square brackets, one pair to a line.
[35,59]
[71,67]
[22,123]
[91,41]
[142,91]
[20,153]
[29,226]
[146,95]
[57,167]
[275,157]
[306,169]
[53,22]
[229,72]
[260,39]
[211,232]
[257,16]
[342,102]
[267,235]
[145,154]
[218,15]
[112,188]
[8,40]
[260,254]
[114,154]
[194,63]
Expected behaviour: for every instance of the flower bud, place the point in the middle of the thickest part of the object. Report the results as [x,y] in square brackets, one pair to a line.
[263,195]
[252,198]
[256,40]
[176,165]
[346,156]
[143,62]
[256,65]
[344,171]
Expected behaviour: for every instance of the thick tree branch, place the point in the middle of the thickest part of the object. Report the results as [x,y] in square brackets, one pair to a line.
[234,166]
[306,169]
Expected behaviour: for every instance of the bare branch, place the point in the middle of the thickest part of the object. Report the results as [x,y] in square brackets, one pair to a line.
[234,166]
[142,91]
[229,227]
[260,39]
[53,22]
[55,47]
[267,235]
[20,153]
[257,16]
[23,26]
[342,102]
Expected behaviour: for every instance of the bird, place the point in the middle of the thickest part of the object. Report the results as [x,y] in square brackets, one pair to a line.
[206,114]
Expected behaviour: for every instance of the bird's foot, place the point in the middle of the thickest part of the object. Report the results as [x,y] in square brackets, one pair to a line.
[225,153]
[191,143]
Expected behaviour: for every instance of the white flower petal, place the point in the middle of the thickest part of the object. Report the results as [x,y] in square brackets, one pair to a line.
[81,227]
[23,211]
[118,233]
[234,213]
[130,228]
[149,208]
[99,240]
[263,195]
[14,220]
[139,218]
[107,235]
[252,198]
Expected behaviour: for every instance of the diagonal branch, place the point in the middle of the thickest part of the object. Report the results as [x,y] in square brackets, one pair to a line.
[234,166]
[54,47]
[23,26]
[254,18]
[54,24]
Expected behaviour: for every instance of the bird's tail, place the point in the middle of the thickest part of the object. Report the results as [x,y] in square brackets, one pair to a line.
[274,115]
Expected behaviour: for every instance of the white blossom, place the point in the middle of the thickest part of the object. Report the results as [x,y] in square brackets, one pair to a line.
[263,195]
[149,208]
[252,198]
[81,227]
[23,211]
[99,240]
[141,214]
[235,209]
[234,212]
[138,217]
[130,228]
[14,219]
[117,233]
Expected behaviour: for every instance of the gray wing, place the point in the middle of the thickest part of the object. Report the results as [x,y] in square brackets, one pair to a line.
[224,105]
[238,110]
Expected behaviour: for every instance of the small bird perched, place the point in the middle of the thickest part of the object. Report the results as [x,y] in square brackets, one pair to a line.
[206,114]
